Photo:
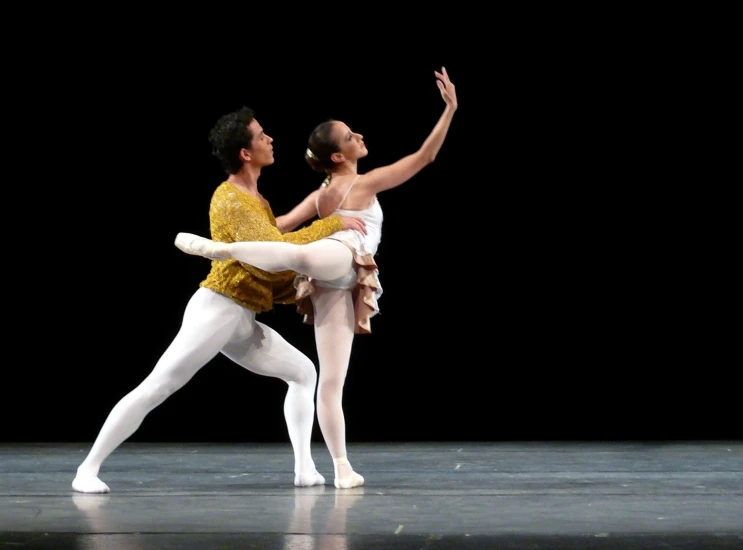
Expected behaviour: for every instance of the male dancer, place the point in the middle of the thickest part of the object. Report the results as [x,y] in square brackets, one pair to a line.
[221,314]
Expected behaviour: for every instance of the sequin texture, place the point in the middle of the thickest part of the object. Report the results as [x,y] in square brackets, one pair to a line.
[237,216]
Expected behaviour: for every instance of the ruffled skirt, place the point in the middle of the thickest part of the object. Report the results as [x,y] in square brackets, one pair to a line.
[365,288]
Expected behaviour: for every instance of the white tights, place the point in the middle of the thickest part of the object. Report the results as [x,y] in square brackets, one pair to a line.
[213,323]
[325,260]
[334,324]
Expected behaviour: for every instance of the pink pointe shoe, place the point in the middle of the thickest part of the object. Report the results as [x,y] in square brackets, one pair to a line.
[200,246]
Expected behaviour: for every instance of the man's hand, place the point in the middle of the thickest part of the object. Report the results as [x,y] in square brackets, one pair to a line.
[349,222]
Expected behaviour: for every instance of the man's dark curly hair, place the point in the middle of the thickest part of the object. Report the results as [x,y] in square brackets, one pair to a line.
[229,136]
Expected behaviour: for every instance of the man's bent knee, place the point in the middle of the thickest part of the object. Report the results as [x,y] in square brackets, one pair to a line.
[305,373]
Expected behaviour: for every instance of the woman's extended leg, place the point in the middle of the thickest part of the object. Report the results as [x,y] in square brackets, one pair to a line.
[325,259]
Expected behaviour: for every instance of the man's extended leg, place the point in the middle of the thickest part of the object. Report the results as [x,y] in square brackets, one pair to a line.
[208,322]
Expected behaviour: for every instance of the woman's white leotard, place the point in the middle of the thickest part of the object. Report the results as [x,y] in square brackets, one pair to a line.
[362,278]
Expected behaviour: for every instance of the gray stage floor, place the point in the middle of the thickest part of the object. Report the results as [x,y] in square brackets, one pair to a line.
[433,496]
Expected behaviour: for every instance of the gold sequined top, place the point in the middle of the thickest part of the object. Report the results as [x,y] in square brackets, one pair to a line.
[238,216]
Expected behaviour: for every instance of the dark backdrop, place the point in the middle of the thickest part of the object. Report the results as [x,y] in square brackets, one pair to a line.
[537,284]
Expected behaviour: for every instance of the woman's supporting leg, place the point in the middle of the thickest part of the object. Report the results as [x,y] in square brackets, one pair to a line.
[334,332]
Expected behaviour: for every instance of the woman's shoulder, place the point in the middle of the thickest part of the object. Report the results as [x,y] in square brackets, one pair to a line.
[327,200]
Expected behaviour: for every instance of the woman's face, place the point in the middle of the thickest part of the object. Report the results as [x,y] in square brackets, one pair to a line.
[350,143]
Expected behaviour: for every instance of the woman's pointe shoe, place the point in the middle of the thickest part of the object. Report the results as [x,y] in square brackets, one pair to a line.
[354,480]
[348,482]
[200,246]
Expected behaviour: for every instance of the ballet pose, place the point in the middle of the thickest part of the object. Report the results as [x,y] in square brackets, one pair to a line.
[221,315]
[338,281]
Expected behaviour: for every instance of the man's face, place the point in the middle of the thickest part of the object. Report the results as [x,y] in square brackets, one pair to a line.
[261,150]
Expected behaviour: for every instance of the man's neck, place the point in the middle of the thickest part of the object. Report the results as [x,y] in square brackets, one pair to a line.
[246,179]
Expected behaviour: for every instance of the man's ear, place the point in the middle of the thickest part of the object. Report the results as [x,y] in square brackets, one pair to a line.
[245,155]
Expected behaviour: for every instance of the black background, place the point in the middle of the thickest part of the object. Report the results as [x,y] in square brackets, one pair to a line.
[538,282]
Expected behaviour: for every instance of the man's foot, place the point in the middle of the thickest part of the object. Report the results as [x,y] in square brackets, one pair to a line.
[200,246]
[308,479]
[88,483]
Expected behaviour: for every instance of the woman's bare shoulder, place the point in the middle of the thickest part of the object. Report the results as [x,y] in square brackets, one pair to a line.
[328,200]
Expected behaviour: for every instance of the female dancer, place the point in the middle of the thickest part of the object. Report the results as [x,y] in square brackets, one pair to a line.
[338,285]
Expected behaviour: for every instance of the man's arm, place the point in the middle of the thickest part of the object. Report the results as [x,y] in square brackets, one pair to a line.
[319,229]
[251,222]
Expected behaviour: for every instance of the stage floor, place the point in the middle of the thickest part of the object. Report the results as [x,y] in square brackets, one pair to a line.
[637,495]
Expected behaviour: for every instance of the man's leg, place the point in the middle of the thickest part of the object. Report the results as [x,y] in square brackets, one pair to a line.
[208,322]
[262,350]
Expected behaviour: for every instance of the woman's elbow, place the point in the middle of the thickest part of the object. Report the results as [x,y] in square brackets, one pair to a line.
[424,158]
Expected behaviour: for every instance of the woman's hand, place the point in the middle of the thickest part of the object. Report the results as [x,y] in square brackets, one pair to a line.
[448,91]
